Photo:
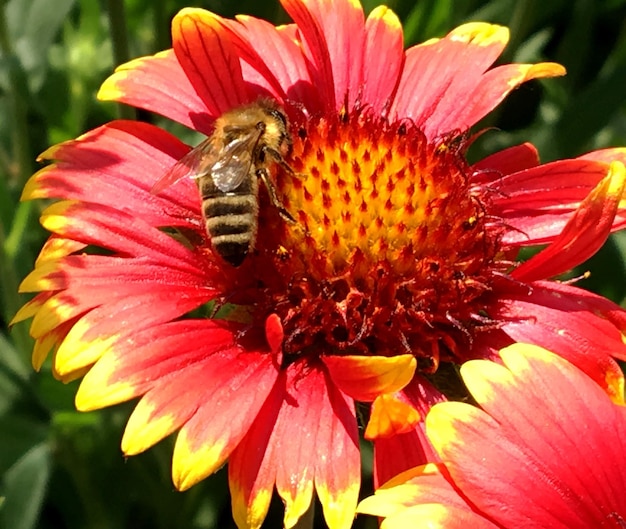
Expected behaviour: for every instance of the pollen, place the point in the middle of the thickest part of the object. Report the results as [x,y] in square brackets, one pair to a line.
[391,249]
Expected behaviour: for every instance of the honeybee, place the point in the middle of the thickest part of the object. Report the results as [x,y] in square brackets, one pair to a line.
[246,143]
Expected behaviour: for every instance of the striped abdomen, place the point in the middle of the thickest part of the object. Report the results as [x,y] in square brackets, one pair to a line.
[231,218]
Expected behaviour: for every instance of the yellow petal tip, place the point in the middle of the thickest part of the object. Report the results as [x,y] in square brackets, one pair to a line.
[110,88]
[96,389]
[145,428]
[481,33]
[191,465]
[387,16]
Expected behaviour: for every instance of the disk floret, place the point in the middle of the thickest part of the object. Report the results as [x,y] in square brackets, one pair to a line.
[392,248]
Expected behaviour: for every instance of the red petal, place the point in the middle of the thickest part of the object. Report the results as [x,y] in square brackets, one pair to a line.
[251,468]
[347,51]
[343,30]
[118,231]
[383,59]
[147,358]
[606,155]
[90,281]
[550,445]
[438,515]
[86,280]
[338,464]
[94,333]
[393,455]
[471,105]
[209,59]
[538,202]
[517,158]
[159,84]
[594,303]
[273,62]
[229,392]
[162,267]
[333,40]
[439,72]
[562,324]
[422,497]
[295,455]
[584,233]
[101,166]
[325,451]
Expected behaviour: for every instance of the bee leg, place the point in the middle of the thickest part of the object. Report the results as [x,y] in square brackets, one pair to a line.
[262,174]
[278,158]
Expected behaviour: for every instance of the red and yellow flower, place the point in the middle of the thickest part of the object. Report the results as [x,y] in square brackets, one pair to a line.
[402,259]
[547,449]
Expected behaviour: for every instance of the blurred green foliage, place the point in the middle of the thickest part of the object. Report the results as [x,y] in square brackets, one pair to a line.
[63,469]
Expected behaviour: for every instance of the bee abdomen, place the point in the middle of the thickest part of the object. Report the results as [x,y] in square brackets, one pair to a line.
[231,222]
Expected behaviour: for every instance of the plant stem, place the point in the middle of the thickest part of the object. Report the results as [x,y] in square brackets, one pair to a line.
[11,301]
[17,97]
[119,37]
[161,33]
[18,172]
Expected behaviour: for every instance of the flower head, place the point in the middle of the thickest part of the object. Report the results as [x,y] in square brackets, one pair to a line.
[547,449]
[393,258]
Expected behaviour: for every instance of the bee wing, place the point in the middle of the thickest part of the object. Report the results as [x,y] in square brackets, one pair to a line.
[235,161]
[194,164]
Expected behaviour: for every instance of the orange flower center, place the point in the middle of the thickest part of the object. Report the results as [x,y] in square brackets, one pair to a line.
[391,250]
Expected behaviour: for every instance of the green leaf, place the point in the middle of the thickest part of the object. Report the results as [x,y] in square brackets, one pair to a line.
[14,375]
[24,488]
[34,25]
[427,19]
[18,435]
[589,111]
